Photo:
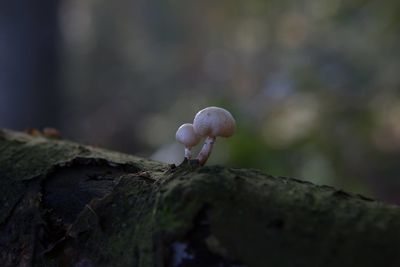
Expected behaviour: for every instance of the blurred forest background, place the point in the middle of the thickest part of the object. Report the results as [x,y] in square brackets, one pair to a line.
[314,85]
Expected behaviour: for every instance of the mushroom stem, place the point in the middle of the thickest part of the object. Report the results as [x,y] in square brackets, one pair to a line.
[188,153]
[206,150]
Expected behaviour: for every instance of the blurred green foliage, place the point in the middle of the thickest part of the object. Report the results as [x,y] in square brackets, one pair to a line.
[314,85]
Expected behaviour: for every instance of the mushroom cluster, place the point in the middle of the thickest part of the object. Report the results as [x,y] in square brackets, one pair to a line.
[208,123]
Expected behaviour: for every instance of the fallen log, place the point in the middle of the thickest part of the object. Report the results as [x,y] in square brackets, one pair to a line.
[66,204]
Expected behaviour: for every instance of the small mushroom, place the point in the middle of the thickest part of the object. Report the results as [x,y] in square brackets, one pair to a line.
[210,123]
[186,136]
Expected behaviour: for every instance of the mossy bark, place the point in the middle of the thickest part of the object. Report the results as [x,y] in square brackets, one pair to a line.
[65,204]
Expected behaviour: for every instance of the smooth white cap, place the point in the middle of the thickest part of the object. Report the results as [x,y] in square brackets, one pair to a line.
[186,135]
[214,121]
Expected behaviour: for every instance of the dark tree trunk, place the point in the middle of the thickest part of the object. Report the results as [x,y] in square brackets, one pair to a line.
[29,40]
[65,204]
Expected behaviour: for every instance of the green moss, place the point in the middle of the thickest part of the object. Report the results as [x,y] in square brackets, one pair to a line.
[260,219]
[238,215]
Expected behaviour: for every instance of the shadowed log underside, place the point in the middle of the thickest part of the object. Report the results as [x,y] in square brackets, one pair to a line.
[65,204]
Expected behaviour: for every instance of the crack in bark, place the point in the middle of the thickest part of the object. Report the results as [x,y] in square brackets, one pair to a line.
[199,247]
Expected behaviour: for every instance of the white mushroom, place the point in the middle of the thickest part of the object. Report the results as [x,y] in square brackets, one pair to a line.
[210,123]
[186,136]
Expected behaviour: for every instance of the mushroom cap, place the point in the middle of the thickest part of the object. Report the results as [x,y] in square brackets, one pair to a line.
[186,135]
[214,121]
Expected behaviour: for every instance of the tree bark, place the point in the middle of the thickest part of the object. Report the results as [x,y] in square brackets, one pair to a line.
[66,204]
